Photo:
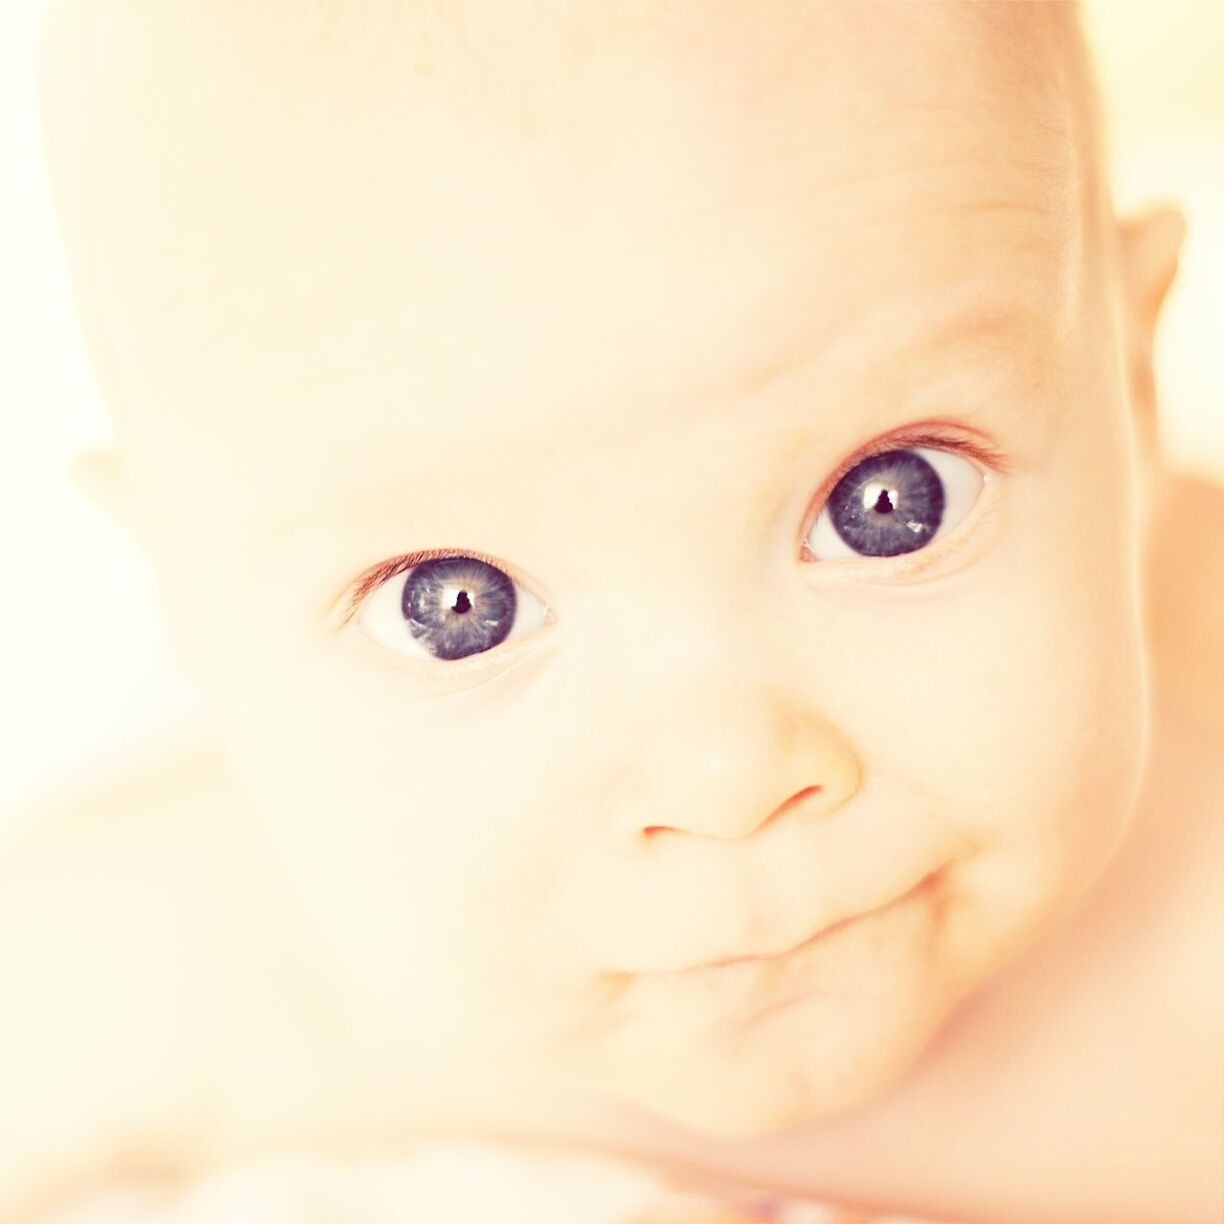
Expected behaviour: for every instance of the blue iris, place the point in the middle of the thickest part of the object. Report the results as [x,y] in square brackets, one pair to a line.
[889,504]
[458,606]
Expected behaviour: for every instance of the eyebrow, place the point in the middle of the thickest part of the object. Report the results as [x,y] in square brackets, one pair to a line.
[973,317]
[972,320]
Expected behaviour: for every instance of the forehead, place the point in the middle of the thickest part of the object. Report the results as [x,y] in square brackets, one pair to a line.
[324,249]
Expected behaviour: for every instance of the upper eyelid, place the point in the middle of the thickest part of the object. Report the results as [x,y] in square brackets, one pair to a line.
[391,568]
[932,434]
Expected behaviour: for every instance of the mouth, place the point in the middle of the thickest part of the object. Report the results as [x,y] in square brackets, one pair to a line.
[928,881]
[893,933]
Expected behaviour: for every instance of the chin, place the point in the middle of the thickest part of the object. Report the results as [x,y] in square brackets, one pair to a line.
[748,1050]
[799,1065]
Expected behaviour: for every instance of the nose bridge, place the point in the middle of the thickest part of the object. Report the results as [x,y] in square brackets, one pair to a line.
[721,740]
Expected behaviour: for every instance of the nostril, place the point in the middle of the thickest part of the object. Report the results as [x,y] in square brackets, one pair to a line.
[797,797]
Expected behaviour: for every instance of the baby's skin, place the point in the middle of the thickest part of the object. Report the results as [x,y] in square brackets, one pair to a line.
[638,487]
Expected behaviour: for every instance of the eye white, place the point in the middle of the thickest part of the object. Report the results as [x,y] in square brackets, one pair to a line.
[962,482]
[382,619]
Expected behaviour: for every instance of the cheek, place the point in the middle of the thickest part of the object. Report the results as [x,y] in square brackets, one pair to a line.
[402,823]
[1033,691]
[428,840]
[1052,750]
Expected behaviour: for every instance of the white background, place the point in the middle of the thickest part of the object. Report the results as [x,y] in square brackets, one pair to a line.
[89,687]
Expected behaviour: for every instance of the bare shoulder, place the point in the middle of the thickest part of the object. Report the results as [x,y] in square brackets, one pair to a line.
[1177,848]
[124,926]
[1185,593]
[1179,844]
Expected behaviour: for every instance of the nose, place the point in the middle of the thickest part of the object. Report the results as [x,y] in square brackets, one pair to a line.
[719,748]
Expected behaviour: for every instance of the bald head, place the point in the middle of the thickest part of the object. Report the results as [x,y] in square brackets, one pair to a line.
[189,141]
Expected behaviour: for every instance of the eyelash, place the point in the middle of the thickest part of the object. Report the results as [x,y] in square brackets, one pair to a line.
[919,434]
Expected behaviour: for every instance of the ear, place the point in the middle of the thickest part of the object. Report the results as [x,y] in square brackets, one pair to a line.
[98,476]
[1149,245]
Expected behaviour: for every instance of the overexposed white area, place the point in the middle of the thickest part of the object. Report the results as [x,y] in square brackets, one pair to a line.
[89,686]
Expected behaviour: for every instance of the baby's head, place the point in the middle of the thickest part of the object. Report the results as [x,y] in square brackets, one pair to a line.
[766,389]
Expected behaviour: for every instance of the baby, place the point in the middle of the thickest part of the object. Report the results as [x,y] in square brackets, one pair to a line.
[662,503]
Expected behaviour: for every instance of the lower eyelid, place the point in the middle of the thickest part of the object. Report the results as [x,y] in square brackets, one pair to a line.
[951,550]
[434,676]
[966,535]
[416,676]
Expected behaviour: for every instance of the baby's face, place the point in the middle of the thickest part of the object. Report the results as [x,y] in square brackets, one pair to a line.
[752,392]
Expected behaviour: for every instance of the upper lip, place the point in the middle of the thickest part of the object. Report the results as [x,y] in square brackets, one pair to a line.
[827,929]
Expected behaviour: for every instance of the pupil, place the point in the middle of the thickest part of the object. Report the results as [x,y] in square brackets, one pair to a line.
[883,505]
[463,604]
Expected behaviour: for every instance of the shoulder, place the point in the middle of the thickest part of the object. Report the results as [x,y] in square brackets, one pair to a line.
[119,911]
[1184,593]
[1166,887]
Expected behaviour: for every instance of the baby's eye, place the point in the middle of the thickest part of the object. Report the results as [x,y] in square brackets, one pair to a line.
[452,606]
[893,503]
